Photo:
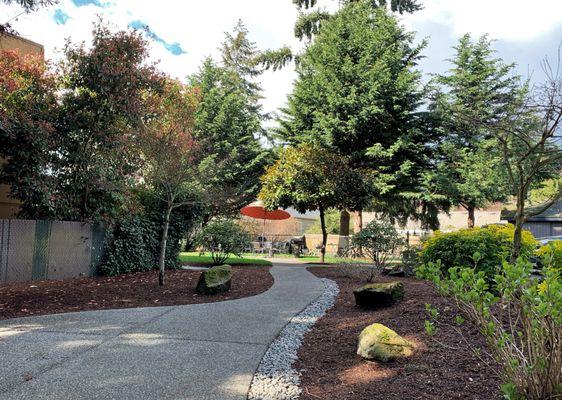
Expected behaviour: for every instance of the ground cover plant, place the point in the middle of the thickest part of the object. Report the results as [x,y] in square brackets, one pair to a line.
[519,315]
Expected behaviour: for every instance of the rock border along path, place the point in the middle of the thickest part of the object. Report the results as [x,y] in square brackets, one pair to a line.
[199,351]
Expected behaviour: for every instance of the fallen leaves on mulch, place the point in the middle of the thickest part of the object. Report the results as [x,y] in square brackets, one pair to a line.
[124,291]
[447,369]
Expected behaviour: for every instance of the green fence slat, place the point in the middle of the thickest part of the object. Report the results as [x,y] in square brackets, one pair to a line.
[98,241]
[41,250]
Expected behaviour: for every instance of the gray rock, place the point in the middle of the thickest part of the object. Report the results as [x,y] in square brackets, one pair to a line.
[378,342]
[215,280]
[377,295]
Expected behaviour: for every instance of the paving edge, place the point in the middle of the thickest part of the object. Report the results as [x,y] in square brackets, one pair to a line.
[275,377]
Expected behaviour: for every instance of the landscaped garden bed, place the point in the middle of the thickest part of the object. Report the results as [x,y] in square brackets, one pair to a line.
[442,367]
[124,291]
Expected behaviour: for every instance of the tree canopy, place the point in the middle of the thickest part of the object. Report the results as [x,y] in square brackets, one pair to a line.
[477,87]
[309,178]
[312,18]
[358,93]
[228,126]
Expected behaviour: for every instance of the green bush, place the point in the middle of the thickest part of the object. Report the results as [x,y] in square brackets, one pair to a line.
[222,238]
[494,243]
[378,240]
[519,315]
[133,243]
[552,250]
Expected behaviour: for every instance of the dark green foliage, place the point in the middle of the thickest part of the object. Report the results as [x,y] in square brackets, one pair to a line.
[477,88]
[70,138]
[132,244]
[493,243]
[228,126]
[102,111]
[358,93]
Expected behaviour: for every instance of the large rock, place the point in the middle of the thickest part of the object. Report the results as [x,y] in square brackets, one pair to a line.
[377,342]
[215,280]
[377,295]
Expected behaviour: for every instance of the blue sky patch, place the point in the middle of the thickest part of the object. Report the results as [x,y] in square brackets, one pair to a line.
[97,3]
[60,17]
[174,48]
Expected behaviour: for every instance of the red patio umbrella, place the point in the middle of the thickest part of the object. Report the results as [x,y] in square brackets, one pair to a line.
[258,211]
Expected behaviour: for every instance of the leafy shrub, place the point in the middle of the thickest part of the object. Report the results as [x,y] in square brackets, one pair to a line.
[520,317]
[494,242]
[132,244]
[551,252]
[410,259]
[378,240]
[223,238]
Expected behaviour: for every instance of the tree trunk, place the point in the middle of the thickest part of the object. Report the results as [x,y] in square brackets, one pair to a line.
[163,242]
[471,218]
[344,223]
[324,236]
[519,220]
[357,221]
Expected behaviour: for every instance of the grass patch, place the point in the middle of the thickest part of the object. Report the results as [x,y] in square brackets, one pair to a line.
[195,258]
[329,259]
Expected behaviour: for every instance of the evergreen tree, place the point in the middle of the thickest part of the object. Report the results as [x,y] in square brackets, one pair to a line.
[228,126]
[358,93]
[480,88]
[311,19]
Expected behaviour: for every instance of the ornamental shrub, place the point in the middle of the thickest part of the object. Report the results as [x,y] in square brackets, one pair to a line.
[519,315]
[551,252]
[223,238]
[133,243]
[493,243]
[378,240]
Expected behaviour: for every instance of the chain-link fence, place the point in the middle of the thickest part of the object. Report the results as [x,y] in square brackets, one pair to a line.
[33,250]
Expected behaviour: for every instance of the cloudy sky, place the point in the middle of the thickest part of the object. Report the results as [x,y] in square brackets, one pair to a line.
[183,32]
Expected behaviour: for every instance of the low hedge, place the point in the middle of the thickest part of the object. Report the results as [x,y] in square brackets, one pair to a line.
[551,253]
[456,249]
[133,243]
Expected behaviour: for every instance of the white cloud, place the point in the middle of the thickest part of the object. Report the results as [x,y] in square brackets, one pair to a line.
[199,27]
[510,20]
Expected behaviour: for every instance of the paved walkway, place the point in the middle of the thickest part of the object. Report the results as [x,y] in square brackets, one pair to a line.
[201,351]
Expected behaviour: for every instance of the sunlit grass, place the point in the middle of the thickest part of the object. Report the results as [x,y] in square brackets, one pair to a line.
[196,258]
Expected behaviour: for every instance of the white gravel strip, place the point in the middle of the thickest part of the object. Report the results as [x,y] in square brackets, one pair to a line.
[275,378]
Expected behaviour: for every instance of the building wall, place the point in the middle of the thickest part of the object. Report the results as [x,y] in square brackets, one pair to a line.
[24,46]
[544,229]
[8,206]
[453,221]
[281,230]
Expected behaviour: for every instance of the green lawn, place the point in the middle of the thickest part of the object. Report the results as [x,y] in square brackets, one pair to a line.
[195,258]
[314,259]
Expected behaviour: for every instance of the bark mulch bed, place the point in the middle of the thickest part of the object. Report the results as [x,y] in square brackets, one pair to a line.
[124,291]
[447,369]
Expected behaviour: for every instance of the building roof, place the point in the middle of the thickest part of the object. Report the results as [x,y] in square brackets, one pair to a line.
[552,214]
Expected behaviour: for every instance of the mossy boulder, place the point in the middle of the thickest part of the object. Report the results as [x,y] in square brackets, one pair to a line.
[215,280]
[377,342]
[377,295]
